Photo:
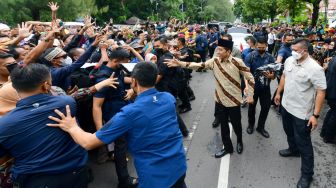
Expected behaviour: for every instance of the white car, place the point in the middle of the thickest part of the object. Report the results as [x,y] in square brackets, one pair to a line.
[238,36]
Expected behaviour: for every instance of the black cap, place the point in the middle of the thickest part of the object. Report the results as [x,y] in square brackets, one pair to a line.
[225,43]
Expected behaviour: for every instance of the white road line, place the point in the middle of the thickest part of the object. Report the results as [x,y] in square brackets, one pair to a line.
[223,178]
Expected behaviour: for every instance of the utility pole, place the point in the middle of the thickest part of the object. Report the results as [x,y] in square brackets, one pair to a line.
[326,11]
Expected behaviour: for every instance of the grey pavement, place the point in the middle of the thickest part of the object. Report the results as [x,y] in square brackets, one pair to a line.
[259,166]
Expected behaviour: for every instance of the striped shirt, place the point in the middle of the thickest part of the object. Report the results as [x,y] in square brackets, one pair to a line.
[228,81]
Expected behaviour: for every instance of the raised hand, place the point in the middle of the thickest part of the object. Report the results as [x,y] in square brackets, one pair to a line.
[129,95]
[110,82]
[53,6]
[172,62]
[3,48]
[25,30]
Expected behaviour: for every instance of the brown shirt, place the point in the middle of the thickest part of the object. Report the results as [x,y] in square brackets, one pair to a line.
[228,81]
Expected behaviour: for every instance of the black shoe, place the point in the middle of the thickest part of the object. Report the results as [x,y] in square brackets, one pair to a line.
[221,153]
[215,123]
[184,110]
[288,153]
[249,130]
[329,141]
[132,183]
[239,147]
[304,182]
[185,133]
[263,132]
[191,98]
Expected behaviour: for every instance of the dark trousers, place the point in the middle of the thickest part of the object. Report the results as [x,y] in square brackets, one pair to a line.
[264,96]
[180,183]
[270,48]
[329,125]
[202,54]
[299,140]
[211,52]
[120,159]
[223,114]
[73,179]
[183,94]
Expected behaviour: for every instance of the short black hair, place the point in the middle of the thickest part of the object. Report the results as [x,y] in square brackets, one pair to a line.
[303,42]
[162,39]
[5,55]
[29,78]
[261,40]
[227,36]
[252,39]
[118,53]
[182,40]
[145,74]
[287,35]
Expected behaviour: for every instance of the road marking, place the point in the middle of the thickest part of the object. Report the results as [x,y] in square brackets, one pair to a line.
[223,178]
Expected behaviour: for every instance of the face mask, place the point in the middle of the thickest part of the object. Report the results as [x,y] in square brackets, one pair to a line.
[288,44]
[66,62]
[261,51]
[159,52]
[296,55]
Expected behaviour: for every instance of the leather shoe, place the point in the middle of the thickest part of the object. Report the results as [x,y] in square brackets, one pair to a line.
[263,132]
[185,133]
[239,147]
[221,153]
[215,123]
[191,98]
[184,110]
[288,153]
[304,182]
[249,130]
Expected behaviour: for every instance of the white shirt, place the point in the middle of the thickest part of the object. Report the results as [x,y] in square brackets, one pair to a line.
[271,38]
[301,82]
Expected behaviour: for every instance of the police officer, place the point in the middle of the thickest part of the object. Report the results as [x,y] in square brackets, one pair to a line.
[262,91]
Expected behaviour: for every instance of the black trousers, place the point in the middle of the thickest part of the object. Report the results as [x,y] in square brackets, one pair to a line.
[73,179]
[223,114]
[211,52]
[329,125]
[202,54]
[180,183]
[299,140]
[183,94]
[270,48]
[264,96]
[120,159]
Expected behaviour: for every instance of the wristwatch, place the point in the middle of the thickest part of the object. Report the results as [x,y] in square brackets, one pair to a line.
[316,116]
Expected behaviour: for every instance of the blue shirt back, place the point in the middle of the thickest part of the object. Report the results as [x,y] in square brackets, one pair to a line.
[153,137]
[36,147]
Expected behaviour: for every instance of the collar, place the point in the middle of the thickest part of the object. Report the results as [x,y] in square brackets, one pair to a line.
[32,99]
[303,63]
[146,93]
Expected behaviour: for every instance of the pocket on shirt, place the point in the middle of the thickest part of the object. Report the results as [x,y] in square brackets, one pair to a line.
[302,82]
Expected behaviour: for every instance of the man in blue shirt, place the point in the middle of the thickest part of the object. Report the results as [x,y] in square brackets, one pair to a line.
[108,102]
[251,41]
[43,156]
[285,51]
[213,37]
[151,129]
[262,91]
[60,70]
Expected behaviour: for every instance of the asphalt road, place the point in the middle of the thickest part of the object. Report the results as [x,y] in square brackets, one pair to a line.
[259,166]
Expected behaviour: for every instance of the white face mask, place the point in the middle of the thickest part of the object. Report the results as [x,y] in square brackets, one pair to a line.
[296,55]
[66,62]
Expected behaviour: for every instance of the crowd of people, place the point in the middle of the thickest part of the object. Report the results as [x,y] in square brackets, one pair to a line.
[64,91]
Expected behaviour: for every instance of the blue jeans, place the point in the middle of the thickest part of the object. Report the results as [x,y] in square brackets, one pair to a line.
[299,140]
